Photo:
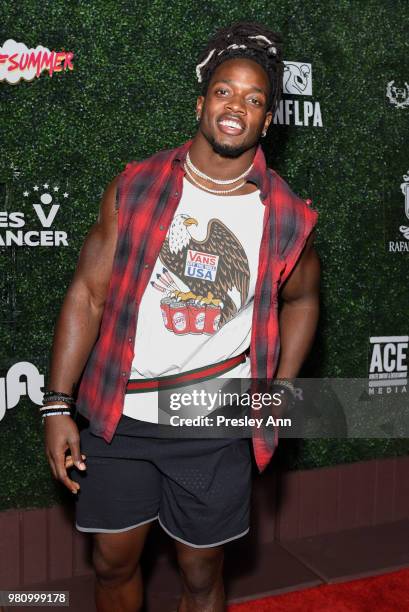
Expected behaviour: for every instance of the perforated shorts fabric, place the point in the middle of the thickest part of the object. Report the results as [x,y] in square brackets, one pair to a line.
[199,489]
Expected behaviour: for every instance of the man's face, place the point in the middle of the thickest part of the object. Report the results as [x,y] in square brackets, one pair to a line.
[233,114]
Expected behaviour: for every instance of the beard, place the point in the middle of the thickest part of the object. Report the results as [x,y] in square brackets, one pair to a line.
[227,150]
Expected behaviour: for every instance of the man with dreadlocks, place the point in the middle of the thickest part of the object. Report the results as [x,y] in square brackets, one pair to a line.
[176,282]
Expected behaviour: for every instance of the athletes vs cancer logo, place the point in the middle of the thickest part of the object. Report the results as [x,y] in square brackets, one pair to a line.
[43,200]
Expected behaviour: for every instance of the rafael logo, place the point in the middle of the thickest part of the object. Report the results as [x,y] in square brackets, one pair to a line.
[405,190]
[398,96]
[204,281]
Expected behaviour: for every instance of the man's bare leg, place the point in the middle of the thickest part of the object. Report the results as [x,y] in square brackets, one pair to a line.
[116,557]
[202,578]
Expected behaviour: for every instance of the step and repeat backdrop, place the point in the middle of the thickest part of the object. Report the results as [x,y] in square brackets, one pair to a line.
[86,87]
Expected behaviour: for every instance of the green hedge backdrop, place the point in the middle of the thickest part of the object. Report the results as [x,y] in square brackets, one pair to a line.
[132,92]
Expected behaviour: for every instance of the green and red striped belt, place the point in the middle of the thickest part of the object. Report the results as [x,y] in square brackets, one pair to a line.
[162,383]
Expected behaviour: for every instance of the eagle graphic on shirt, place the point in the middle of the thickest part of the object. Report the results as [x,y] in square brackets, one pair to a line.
[214,269]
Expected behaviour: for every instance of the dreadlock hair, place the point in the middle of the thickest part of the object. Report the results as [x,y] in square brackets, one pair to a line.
[245,40]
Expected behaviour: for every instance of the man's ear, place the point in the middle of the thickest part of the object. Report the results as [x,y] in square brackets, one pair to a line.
[267,120]
[199,105]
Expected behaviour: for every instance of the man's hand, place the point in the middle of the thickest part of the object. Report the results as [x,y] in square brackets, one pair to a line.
[61,434]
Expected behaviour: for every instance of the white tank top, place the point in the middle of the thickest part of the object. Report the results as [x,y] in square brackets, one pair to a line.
[198,305]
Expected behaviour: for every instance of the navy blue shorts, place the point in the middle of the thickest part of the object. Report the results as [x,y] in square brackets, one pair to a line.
[199,489]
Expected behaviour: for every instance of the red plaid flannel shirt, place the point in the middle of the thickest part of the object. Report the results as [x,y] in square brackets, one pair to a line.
[147,196]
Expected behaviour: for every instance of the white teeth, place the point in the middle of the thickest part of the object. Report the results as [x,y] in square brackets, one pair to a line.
[230,123]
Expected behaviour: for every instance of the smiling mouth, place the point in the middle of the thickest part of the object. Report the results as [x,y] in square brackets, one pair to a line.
[230,126]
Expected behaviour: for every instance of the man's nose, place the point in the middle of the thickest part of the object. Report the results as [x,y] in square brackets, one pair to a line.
[236,104]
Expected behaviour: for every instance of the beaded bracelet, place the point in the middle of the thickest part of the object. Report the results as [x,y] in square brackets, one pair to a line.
[51,392]
[54,397]
[55,409]
[57,396]
[51,407]
[47,414]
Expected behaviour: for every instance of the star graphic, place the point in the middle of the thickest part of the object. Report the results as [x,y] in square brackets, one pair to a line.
[56,188]
[45,185]
[25,194]
[35,187]
[65,194]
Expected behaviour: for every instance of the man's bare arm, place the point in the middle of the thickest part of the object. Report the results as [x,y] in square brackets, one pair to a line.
[78,323]
[299,312]
[76,331]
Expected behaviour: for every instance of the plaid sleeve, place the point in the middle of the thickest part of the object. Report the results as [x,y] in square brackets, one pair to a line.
[298,224]
[122,177]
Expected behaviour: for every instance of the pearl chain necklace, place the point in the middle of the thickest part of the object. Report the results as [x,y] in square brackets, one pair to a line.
[212,180]
[216,191]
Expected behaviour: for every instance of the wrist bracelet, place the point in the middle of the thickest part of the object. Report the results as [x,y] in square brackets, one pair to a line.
[53,413]
[57,397]
[52,392]
[64,405]
[52,396]
[55,409]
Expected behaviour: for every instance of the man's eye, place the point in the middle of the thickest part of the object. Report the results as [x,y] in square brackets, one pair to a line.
[222,91]
[255,101]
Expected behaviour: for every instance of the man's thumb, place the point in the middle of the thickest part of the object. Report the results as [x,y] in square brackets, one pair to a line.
[76,457]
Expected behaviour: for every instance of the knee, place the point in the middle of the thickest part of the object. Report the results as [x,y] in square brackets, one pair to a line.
[200,573]
[111,568]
